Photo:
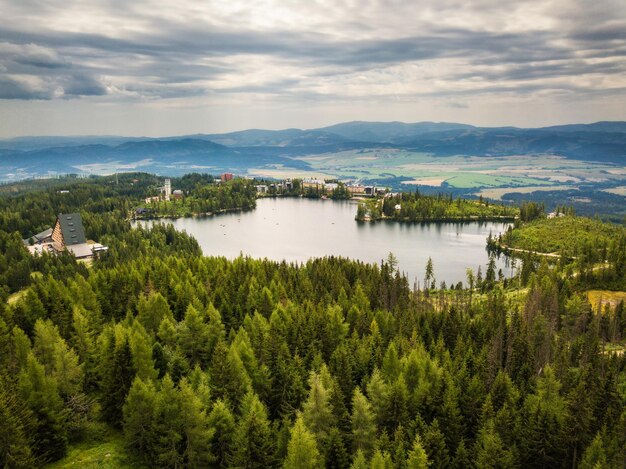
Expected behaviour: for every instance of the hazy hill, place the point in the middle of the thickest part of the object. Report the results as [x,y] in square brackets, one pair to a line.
[583,145]
[257,148]
[159,156]
[391,132]
[604,126]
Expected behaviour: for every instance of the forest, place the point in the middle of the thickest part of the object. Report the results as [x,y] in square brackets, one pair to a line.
[591,252]
[417,207]
[204,197]
[193,361]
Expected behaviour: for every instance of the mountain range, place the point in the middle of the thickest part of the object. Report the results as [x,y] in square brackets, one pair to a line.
[255,148]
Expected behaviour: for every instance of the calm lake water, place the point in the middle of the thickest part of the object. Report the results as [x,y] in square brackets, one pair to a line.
[298,229]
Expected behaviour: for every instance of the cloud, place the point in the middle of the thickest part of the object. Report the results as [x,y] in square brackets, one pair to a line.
[14,88]
[145,51]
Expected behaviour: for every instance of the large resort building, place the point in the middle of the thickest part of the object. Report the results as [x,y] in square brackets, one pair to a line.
[67,234]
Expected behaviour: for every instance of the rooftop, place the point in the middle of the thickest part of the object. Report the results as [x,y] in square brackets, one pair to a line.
[72,228]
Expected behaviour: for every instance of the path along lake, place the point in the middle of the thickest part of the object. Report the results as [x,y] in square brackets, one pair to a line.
[297,229]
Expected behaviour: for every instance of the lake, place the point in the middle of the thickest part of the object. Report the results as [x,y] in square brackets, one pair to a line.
[297,229]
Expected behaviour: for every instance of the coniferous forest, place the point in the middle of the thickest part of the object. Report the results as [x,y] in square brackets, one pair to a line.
[192,361]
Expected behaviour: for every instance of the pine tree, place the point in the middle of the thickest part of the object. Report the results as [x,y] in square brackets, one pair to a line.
[152,310]
[595,455]
[167,332]
[141,349]
[359,462]
[229,379]
[392,367]
[450,418]
[316,411]
[302,452]
[169,426]
[16,428]
[462,458]
[435,446]
[41,395]
[118,374]
[59,360]
[396,406]
[139,419]
[197,432]
[222,422]
[490,451]
[253,445]
[377,392]
[417,456]
[381,460]
[336,456]
[362,423]
[194,337]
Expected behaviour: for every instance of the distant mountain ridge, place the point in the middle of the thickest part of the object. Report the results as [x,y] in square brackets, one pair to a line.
[271,149]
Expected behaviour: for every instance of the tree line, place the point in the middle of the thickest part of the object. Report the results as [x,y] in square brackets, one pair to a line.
[415,207]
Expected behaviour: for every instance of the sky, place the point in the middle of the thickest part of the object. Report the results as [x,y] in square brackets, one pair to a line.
[157,68]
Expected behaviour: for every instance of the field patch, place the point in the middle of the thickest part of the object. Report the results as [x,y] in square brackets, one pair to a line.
[470,180]
[496,193]
[621,190]
[598,298]
[106,454]
[426,182]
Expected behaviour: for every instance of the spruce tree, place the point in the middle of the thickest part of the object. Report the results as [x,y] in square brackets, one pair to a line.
[253,445]
[417,456]
[222,422]
[302,452]
[362,424]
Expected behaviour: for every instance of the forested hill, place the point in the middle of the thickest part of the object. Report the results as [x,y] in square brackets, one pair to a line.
[192,361]
[268,149]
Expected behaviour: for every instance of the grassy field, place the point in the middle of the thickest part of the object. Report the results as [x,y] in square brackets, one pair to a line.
[496,193]
[106,454]
[471,180]
[464,172]
[599,298]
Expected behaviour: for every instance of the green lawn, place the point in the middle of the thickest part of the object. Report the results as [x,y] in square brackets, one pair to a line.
[106,454]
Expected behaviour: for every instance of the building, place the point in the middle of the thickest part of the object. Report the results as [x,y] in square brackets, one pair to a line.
[177,194]
[40,238]
[227,177]
[311,183]
[167,189]
[356,189]
[67,234]
[261,189]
